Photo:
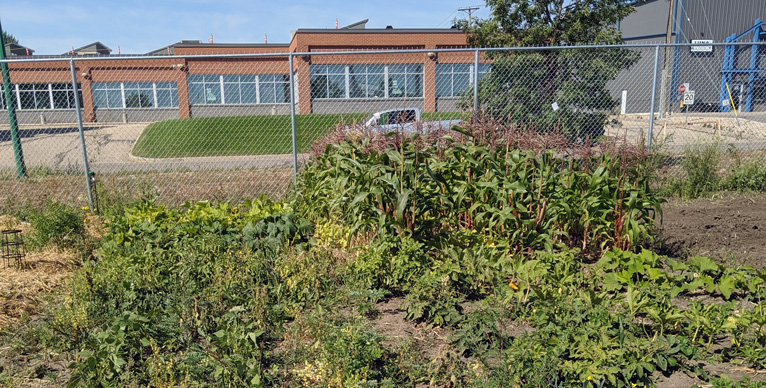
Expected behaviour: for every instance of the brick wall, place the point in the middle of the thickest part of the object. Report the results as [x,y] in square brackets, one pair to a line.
[309,41]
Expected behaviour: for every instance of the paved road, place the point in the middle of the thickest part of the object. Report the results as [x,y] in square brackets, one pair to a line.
[109,146]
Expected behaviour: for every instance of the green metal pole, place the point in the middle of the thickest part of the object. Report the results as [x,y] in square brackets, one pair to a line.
[21,168]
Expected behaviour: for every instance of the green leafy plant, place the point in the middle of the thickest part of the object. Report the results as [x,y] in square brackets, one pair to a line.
[522,200]
[58,224]
[748,177]
[700,164]
[117,347]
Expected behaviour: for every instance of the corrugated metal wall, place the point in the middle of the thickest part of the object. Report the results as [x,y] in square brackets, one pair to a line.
[694,19]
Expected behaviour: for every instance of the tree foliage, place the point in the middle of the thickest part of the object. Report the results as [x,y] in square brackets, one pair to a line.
[9,38]
[523,85]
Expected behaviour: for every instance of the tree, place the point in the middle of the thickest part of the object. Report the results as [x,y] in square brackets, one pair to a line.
[523,86]
[9,38]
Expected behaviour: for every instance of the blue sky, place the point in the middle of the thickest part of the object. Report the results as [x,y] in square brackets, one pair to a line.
[139,26]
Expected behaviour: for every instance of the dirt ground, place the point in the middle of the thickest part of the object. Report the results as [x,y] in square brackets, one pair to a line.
[747,131]
[729,227]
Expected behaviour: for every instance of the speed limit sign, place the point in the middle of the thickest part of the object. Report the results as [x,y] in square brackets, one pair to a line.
[689,97]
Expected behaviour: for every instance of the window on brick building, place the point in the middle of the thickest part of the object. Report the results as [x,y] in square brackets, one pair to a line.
[2,100]
[366,81]
[118,95]
[453,79]
[238,89]
[43,96]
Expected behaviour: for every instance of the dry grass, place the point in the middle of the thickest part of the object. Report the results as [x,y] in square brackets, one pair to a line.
[172,188]
[481,131]
[22,289]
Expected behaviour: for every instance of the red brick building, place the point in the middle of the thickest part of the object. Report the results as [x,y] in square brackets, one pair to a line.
[188,84]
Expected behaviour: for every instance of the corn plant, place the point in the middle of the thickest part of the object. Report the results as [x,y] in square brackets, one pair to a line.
[527,200]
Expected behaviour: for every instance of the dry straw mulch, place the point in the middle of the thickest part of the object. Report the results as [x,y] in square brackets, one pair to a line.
[22,290]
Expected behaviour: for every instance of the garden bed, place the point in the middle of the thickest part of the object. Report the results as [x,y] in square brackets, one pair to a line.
[728,226]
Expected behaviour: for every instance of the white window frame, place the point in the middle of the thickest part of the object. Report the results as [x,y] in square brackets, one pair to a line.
[386,81]
[49,89]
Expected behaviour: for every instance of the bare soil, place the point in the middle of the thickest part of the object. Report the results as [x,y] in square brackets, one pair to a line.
[730,227]
[398,330]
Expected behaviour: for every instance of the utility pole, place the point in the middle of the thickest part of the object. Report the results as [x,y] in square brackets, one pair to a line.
[665,90]
[469,9]
[21,168]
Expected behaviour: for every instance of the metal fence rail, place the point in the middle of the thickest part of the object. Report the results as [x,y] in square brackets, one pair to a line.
[233,126]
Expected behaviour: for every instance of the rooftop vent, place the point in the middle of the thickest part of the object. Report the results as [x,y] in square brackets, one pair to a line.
[360,25]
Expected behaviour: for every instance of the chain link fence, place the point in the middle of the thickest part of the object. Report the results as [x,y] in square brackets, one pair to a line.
[232,126]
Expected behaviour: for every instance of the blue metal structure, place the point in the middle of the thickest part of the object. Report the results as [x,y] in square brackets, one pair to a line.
[729,68]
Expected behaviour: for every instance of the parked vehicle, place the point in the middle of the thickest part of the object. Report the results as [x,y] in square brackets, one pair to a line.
[404,120]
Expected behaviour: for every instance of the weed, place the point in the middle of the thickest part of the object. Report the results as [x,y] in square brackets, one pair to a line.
[58,224]
[700,164]
[748,177]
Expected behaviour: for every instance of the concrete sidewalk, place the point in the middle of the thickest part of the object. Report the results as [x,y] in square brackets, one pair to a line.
[109,150]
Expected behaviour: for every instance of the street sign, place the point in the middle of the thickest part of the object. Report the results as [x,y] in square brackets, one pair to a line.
[689,97]
[725,102]
[683,88]
[701,49]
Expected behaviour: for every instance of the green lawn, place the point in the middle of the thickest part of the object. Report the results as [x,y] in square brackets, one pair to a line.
[241,135]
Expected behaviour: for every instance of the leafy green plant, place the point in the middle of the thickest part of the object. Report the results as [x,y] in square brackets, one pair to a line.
[205,288]
[238,349]
[522,200]
[58,224]
[748,177]
[700,164]
[391,263]
[434,298]
[274,231]
[117,347]
[345,353]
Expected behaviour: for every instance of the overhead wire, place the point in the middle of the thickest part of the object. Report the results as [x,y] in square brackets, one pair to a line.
[707,21]
[447,18]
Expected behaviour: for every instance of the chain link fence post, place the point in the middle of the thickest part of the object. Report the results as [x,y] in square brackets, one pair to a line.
[21,167]
[292,115]
[476,84]
[82,135]
[654,96]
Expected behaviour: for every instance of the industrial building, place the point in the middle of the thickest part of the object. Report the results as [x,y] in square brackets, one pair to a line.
[706,69]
